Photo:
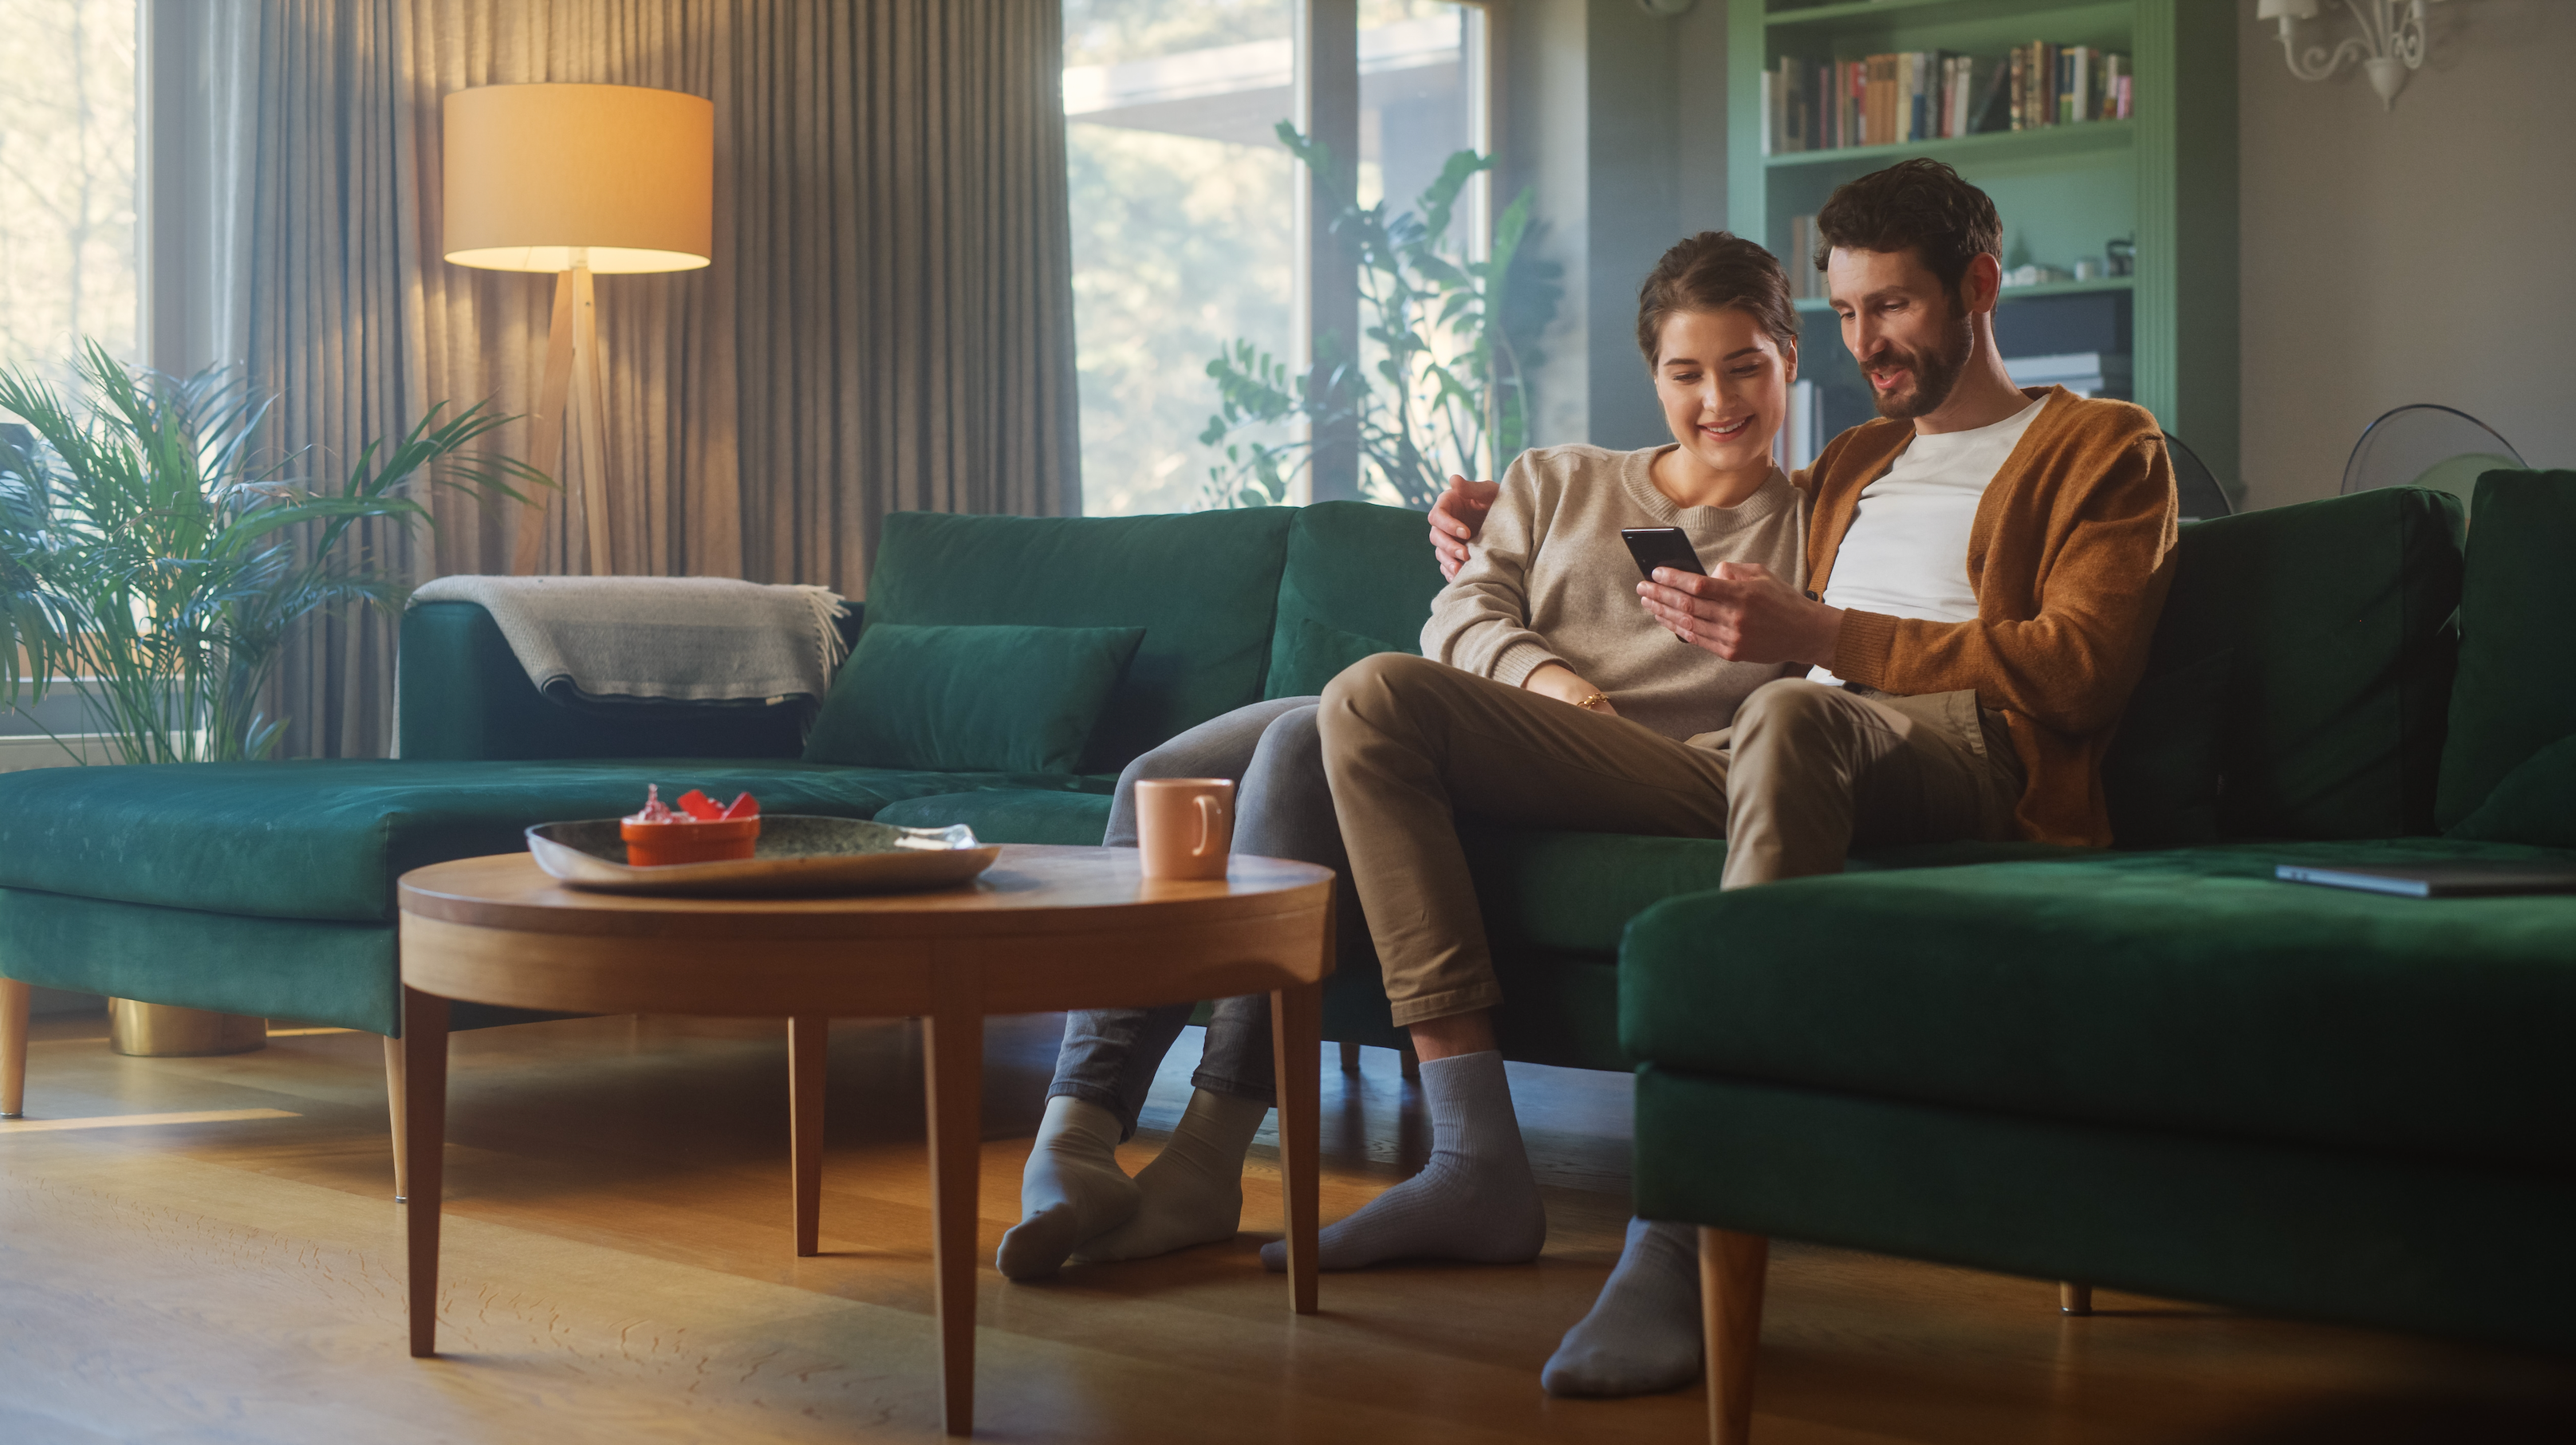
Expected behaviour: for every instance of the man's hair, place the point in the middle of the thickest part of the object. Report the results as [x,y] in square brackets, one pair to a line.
[1920,206]
[1713,271]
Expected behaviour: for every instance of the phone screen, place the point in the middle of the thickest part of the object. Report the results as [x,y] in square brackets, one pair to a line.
[1655,547]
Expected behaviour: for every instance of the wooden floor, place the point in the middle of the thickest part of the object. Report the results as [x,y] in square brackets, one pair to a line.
[619,1268]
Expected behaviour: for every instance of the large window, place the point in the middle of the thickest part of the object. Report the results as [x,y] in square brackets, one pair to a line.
[67,180]
[1183,202]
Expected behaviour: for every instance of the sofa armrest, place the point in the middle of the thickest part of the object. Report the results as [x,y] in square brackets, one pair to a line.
[464,697]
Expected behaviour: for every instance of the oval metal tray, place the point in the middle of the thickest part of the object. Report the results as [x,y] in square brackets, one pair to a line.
[796,855]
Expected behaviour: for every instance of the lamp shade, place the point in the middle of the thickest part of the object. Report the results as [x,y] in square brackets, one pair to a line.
[535,171]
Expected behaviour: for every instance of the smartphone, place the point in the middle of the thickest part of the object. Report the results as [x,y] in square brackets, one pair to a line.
[1655,547]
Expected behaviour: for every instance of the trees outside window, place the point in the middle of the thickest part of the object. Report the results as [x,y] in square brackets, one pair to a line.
[1183,228]
[68,260]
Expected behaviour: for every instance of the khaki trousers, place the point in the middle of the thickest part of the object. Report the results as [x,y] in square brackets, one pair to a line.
[1806,772]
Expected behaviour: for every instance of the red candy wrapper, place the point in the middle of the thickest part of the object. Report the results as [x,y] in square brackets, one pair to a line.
[700,832]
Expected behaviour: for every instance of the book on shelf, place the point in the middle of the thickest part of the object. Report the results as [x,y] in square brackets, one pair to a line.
[1906,97]
[1802,434]
[1800,263]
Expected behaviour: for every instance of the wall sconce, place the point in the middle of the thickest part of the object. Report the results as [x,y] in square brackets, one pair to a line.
[2391,41]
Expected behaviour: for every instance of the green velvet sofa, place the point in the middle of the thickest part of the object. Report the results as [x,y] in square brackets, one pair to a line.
[268,888]
[2165,1070]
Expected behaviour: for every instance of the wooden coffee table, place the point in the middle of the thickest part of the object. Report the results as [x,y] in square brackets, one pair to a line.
[1043,929]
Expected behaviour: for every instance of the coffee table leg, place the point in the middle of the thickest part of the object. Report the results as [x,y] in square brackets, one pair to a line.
[424,1047]
[1297,1044]
[807,1039]
[954,1069]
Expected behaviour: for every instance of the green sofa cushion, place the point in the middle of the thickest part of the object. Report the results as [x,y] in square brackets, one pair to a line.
[2516,691]
[2185,990]
[1317,653]
[2336,613]
[2535,804]
[971,699]
[2161,776]
[1577,891]
[2367,1239]
[326,840]
[1357,569]
[1010,815]
[1203,585]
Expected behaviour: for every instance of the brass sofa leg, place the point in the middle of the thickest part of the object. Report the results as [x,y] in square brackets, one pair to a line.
[1350,1057]
[394,1101]
[13,1047]
[2073,1298]
[1731,1270]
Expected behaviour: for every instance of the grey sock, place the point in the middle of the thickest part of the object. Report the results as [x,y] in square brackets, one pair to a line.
[1071,1189]
[1643,1333]
[1476,1200]
[1193,1191]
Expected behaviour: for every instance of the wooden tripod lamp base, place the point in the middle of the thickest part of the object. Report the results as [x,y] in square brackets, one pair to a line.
[574,390]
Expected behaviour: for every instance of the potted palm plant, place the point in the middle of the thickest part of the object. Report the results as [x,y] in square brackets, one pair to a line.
[154,561]
[153,558]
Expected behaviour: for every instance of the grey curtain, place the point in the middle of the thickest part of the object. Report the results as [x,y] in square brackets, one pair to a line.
[323,288]
[887,324]
[904,270]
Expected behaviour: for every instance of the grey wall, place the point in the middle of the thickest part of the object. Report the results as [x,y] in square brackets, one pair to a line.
[2419,254]
[1616,119]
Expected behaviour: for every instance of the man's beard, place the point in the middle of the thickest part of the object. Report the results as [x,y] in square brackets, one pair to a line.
[1935,375]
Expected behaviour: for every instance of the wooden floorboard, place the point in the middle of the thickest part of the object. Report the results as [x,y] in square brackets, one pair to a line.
[619,1266]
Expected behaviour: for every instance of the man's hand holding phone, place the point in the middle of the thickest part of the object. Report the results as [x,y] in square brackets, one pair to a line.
[1743,614]
[1456,519]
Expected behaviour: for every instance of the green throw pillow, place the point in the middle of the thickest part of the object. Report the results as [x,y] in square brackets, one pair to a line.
[971,699]
[2535,804]
[1317,654]
[2514,694]
[2161,776]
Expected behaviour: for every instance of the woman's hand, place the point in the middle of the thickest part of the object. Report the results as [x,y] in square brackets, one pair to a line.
[1556,680]
[1456,519]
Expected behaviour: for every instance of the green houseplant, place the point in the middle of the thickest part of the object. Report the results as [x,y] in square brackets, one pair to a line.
[147,550]
[1454,340]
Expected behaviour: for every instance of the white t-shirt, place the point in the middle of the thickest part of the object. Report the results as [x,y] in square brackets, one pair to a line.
[1906,554]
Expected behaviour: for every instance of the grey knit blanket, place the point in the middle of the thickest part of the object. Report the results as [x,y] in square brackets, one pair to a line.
[695,638]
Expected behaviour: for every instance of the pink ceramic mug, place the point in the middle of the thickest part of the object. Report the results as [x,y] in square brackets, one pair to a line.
[1185,826]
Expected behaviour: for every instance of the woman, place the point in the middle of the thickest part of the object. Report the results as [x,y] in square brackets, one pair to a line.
[1546,604]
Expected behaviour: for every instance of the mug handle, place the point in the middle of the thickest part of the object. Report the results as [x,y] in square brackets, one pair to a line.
[1209,817]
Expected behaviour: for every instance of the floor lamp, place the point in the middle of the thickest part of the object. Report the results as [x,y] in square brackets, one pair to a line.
[579,180]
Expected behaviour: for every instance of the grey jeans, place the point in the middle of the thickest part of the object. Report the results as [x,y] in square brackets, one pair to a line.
[1283,808]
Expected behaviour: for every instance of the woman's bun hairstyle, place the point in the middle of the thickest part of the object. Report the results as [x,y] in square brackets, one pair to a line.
[1713,271]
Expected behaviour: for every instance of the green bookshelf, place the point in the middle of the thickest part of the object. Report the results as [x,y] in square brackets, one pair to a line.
[2165,179]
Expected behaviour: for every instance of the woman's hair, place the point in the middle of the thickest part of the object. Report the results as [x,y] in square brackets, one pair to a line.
[1713,271]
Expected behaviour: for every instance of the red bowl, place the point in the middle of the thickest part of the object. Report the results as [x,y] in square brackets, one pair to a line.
[687,840]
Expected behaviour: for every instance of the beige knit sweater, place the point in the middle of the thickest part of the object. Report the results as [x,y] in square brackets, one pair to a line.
[1550,581]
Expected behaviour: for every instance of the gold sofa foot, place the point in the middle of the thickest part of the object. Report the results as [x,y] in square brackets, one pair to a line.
[164,1031]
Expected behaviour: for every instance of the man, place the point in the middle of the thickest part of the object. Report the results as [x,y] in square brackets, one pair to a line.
[1988,566]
